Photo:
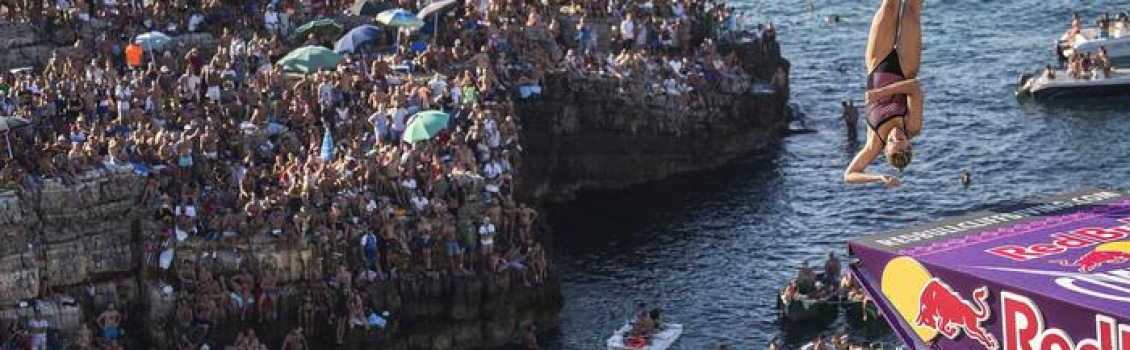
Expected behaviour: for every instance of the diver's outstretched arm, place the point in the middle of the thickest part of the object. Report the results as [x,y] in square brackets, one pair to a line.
[855,171]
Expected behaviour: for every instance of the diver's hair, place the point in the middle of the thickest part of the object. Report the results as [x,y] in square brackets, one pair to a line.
[900,159]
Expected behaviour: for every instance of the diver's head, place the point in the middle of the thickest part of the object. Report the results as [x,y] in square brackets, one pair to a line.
[898,149]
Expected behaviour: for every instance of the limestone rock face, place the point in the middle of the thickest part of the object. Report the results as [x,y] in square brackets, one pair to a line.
[598,131]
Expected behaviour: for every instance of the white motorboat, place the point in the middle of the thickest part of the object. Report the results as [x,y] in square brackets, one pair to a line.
[1064,87]
[1088,41]
[660,341]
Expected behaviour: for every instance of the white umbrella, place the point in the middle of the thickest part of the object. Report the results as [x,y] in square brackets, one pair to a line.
[152,40]
[435,8]
[7,124]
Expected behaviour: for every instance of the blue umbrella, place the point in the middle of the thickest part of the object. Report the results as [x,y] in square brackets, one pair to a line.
[356,38]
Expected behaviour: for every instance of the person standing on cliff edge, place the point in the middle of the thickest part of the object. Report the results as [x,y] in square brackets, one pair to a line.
[894,98]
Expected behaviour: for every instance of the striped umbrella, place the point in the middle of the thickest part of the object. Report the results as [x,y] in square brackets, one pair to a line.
[400,18]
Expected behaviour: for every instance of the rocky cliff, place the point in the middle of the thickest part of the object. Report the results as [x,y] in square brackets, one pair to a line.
[595,131]
[83,242]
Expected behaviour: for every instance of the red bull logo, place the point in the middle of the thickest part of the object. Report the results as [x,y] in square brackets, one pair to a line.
[1024,329]
[1091,260]
[947,312]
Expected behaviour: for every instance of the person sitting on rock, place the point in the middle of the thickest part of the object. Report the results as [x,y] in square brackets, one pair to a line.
[109,321]
[894,97]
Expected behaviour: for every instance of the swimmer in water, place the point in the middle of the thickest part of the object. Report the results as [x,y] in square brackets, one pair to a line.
[894,97]
[965,178]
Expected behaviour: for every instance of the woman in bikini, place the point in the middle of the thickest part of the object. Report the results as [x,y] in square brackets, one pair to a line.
[894,98]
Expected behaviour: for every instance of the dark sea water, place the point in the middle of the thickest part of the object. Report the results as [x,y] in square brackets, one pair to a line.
[712,248]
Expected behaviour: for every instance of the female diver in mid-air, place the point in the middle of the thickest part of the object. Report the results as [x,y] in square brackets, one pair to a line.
[894,98]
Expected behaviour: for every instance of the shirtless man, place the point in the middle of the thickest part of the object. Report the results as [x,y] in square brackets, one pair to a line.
[526,218]
[294,340]
[85,338]
[109,321]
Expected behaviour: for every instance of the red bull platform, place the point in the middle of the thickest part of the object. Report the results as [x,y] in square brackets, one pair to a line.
[1045,274]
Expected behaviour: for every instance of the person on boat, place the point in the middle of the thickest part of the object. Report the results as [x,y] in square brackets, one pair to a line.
[1104,26]
[641,311]
[832,268]
[643,327]
[817,344]
[894,97]
[1049,72]
[1076,27]
[656,319]
[1102,62]
[805,278]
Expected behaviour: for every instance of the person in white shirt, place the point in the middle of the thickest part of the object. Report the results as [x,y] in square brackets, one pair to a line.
[492,169]
[627,31]
[399,118]
[194,22]
[486,236]
[271,19]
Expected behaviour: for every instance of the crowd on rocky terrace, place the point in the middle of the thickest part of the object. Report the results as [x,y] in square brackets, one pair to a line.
[233,149]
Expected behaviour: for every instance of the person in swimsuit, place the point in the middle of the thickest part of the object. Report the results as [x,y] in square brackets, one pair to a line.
[894,98]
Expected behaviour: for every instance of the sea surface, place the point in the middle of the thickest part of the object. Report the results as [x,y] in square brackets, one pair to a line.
[711,249]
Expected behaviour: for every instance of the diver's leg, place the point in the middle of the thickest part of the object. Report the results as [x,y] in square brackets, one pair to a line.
[910,38]
[881,39]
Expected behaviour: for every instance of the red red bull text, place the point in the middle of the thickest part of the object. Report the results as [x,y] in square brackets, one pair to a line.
[1062,242]
[947,312]
[1024,329]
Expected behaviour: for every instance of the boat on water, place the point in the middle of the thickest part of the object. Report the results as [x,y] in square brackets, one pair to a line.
[1088,41]
[807,310]
[663,339]
[1064,87]
[1049,272]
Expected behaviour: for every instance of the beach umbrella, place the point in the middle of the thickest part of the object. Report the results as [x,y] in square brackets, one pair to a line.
[399,18]
[7,124]
[367,7]
[321,26]
[309,59]
[357,37]
[425,125]
[436,7]
[152,40]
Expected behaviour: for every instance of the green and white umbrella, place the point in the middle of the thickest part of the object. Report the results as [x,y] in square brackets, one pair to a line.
[425,125]
[309,59]
[321,27]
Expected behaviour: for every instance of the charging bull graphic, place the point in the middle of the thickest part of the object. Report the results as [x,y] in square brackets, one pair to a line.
[1088,262]
[947,312]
